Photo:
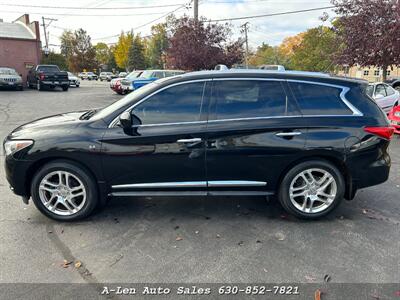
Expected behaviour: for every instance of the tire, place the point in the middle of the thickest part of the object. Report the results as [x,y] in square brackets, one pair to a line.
[77,85]
[84,205]
[65,88]
[293,178]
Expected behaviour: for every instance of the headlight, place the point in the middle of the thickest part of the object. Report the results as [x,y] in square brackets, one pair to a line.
[12,146]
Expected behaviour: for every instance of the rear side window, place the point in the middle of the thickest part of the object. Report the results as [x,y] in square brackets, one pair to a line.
[315,99]
[249,98]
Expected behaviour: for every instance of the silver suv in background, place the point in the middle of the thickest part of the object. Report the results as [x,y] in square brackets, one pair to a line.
[9,78]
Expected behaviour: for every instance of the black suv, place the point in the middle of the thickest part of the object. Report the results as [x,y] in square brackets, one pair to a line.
[310,139]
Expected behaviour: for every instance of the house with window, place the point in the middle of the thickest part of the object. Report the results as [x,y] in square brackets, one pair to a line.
[372,74]
[20,46]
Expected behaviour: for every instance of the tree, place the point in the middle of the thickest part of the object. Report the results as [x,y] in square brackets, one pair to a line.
[103,53]
[122,50]
[316,51]
[136,56]
[78,50]
[157,46]
[199,45]
[290,43]
[269,55]
[55,59]
[369,31]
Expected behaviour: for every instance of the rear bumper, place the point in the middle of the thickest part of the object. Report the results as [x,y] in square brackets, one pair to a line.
[55,83]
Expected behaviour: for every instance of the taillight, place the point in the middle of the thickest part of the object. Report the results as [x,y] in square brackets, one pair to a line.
[41,76]
[383,132]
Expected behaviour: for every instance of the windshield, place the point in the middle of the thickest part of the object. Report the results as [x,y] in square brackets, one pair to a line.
[369,90]
[126,100]
[48,69]
[147,74]
[8,72]
[90,73]
[133,74]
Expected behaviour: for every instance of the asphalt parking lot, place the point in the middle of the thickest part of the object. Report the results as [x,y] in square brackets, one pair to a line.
[191,240]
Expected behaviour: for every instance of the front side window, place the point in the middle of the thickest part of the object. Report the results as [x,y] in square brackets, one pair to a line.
[249,98]
[158,75]
[316,99]
[180,103]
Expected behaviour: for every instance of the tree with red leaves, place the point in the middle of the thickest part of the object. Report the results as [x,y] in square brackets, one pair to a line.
[369,32]
[200,45]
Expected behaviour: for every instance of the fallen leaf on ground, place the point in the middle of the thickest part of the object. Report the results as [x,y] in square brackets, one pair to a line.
[327,278]
[196,232]
[317,294]
[240,243]
[66,263]
[258,242]
[179,238]
[217,236]
[265,270]
[176,227]
[78,264]
[280,236]
[50,231]
[310,278]
[62,230]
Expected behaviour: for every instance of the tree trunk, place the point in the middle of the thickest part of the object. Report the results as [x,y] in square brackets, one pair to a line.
[384,73]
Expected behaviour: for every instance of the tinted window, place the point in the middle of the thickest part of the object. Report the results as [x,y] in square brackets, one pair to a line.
[158,75]
[181,103]
[48,69]
[249,98]
[314,99]
[380,89]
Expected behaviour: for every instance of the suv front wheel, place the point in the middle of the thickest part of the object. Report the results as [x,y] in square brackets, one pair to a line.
[64,191]
[311,189]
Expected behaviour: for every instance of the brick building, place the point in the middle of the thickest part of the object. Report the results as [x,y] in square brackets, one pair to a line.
[20,46]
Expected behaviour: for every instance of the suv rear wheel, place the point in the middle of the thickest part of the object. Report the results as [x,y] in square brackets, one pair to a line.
[311,189]
[64,191]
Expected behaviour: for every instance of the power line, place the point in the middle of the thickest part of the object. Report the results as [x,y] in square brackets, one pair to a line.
[91,8]
[85,15]
[274,14]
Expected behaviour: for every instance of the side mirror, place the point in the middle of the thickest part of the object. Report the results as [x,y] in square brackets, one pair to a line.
[379,96]
[128,122]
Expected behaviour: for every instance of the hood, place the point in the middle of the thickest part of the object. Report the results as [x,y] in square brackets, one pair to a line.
[46,124]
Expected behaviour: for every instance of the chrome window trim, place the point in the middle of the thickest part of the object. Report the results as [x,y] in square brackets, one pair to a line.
[191,184]
[115,120]
[356,112]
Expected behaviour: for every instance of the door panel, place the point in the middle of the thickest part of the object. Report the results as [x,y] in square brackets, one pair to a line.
[254,132]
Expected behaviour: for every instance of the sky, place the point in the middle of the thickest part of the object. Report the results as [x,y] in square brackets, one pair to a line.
[105,22]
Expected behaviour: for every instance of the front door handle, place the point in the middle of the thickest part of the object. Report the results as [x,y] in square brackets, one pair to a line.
[288,134]
[184,141]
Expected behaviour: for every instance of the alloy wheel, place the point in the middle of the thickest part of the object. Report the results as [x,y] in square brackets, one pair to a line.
[62,193]
[313,190]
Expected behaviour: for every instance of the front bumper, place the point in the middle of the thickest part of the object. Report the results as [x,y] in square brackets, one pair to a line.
[17,174]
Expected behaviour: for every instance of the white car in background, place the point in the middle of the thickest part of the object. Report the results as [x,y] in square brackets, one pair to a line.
[73,80]
[384,95]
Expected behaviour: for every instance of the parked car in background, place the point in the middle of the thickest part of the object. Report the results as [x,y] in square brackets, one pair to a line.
[307,138]
[148,76]
[386,96]
[107,76]
[73,80]
[126,83]
[394,118]
[272,67]
[122,74]
[116,86]
[394,82]
[88,76]
[10,79]
[48,76]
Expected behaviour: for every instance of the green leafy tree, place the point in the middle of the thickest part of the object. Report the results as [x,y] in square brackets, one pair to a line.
[317,50]
[136,54]
[55,59]
[269,55]
[103,53]
[122,50]
[157,46]
[78,50]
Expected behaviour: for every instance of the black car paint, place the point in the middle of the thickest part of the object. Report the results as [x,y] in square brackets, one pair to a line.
[245,149]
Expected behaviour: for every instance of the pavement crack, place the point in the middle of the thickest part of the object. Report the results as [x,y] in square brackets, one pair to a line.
[85,274]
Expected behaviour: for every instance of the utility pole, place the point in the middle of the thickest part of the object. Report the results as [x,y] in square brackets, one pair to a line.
[196,10]
[245,29]
[46,38]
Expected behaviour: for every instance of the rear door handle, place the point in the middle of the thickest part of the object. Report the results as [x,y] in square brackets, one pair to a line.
[184,141]
[288,134]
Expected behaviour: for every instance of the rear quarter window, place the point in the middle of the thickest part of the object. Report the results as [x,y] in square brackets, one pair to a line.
[316,99]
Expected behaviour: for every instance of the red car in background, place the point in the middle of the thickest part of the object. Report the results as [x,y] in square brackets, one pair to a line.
[394,117]
[115,85]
